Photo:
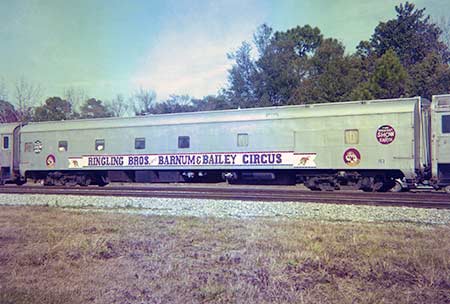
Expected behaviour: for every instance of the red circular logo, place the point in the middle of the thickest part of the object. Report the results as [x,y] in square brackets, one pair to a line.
[50,161]
[385,134]
[352,157]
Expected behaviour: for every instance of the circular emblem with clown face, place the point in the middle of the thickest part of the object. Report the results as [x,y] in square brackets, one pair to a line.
[352,157]
[50,161]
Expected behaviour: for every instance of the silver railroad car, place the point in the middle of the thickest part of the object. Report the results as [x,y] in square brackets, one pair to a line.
[9,155]
[440,141]
[367,144]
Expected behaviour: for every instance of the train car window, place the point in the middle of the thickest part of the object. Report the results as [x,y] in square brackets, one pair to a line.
[445,123]
[28,147]
[352,136]
[242,140]
[99,144]
[139,143]
[5,142]
[62,146]
[183,142]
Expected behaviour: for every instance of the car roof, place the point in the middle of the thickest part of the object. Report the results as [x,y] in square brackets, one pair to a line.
[250,114]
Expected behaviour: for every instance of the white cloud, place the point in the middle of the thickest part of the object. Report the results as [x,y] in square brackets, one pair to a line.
[196,67]
[190,54]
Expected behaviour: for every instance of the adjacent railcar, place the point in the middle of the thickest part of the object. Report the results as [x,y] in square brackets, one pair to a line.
[9,156]
[367,144]
[440,141]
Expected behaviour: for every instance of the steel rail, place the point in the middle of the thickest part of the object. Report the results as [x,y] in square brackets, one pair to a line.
[258,193]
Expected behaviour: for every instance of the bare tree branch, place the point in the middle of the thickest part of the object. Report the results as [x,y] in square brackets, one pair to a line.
[143,101]
[118,106]
[76,97]
[3,90]
[444,25]
[26,95]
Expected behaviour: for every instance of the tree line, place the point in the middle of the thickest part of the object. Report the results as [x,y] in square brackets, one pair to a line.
[408,55]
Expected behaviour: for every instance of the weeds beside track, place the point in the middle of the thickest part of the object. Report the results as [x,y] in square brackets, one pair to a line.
[49,255]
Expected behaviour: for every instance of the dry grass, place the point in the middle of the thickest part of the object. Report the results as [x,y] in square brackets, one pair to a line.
[48,255]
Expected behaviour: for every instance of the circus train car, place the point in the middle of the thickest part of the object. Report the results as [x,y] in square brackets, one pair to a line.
[369,145]
[10,153]
[440,142]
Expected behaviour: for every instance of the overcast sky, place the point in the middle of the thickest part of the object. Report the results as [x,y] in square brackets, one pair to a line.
[173,47]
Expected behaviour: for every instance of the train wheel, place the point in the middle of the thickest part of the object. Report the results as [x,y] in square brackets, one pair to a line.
[48,181]
[367,184]
[70,182]
[324,186]
[386,185]
[397,187]
[103,181]
[20,181]
[447,189]
[312,183]
[84,180]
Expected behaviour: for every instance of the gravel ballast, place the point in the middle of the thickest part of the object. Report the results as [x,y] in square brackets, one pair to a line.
[233,208]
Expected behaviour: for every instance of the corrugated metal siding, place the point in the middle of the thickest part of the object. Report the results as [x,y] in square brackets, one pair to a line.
[402,105]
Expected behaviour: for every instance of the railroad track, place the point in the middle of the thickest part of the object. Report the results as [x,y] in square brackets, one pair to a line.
[223,192]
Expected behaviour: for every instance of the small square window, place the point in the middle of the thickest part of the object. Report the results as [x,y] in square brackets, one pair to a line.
[62,146]
[99,144]
[5,142]
[28,147]
[183,142]
[352,136]
[446,124]
[139,143]
[242,140]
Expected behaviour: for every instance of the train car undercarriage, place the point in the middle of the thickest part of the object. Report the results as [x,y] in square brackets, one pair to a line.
[316,180]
